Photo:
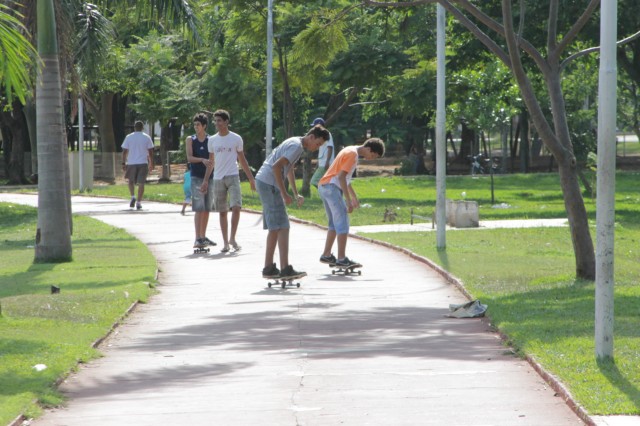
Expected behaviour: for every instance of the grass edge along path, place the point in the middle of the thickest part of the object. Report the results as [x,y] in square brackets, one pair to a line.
[543,312]
[109,273]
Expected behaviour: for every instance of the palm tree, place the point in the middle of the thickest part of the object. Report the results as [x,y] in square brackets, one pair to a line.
[53,237]
[17,54]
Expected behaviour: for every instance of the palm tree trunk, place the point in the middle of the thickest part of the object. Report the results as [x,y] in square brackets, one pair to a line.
[53,237]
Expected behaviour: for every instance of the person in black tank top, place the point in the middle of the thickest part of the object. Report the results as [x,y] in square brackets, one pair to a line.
[201,195]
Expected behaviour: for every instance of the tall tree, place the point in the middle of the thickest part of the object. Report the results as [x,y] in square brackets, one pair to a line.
[508,39]
[53,237]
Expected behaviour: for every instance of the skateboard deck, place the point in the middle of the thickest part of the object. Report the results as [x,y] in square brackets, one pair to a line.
[349,270]
[283,283]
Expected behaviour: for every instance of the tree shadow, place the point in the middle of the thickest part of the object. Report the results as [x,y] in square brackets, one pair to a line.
[618,379]
[325,331]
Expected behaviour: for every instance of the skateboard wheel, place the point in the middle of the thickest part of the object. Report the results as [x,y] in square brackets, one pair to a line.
[283,284]
[298,285]
[333,271]
[269,284]
[359,272]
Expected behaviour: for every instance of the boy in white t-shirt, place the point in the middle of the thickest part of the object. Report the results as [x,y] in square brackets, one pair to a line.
[326,154]
[225,151]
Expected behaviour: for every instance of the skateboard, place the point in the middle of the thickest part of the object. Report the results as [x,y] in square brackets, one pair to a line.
[353,269]
[197,250]
[283,283]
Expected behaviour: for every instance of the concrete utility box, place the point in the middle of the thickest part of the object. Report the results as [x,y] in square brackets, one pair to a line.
[463,214]
[87,172]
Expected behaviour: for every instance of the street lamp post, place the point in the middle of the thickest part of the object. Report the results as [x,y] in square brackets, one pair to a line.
[269,119]
[441,144]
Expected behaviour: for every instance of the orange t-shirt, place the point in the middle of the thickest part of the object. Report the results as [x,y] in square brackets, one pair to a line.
[346,161]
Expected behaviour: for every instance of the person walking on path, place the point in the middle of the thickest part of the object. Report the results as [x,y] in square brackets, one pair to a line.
[339,197]
[137,160]
[186,188]
[201,195]
[326,154]
[225,151]
[274,198]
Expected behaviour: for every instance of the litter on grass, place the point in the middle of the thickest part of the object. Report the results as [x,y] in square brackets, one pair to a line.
[471,309]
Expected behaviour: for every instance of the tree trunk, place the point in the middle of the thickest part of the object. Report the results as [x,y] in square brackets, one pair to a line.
[165,146]
[305,190]
[53,236]
[467,142]
[16,158]
[523,125]
[578,220]
[30,117]
[107,140]
[14,134]
[103,114]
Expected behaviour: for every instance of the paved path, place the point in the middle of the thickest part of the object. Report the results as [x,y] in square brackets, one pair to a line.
[484,224]
[216,347]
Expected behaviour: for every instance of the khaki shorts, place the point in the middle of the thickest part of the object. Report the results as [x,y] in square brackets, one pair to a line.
[226,192]
[137,173]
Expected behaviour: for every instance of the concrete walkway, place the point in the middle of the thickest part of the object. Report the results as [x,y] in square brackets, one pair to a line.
[217,347]
[484,224]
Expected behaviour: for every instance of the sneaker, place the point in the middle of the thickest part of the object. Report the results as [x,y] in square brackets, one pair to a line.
[271,272]
[199,243]
[209,242]
[331,259]
[346,262]
[289,273]
[132,204]
[138,206]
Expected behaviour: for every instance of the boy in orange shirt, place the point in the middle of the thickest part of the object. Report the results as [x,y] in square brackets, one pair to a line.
[336,184]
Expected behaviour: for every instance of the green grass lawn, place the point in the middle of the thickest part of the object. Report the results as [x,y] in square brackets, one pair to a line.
[109,272]
[526,276]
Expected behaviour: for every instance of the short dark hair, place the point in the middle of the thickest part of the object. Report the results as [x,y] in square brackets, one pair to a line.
[222,114]
[138,126]
[319,132]
[201,118]
[375,145]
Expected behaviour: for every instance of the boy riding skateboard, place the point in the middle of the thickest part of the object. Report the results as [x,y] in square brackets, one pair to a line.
[274,198]
[340,199]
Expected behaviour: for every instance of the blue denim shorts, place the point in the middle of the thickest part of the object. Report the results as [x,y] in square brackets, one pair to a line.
[274,211]
[201,202]
[336,208]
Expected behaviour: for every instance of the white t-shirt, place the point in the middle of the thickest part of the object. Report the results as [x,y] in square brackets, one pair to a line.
[322,152]
[225,150]
[138,144]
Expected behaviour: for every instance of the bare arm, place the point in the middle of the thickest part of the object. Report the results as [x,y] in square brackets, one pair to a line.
[205,181]
[342,179]
[247,170]
[291,176]
[125,154]
[191,158]
[328,160]
[354,198]
[277,169]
